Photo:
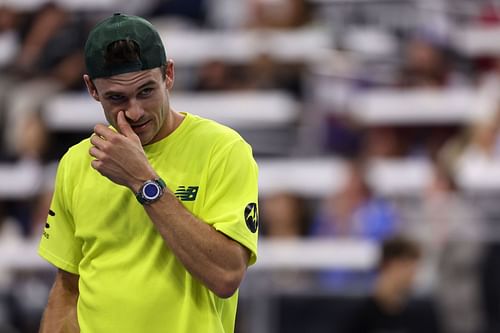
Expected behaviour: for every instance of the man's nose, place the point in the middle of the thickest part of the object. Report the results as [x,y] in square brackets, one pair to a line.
[134,111]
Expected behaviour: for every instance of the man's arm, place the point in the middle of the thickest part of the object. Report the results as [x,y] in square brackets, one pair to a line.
[60,313]
[213,258]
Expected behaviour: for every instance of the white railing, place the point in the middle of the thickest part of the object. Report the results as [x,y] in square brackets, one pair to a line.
[306,254]
[78,111]
[420,106]
[307,177]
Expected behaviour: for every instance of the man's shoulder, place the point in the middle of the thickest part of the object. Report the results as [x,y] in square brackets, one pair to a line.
[211,131]
[78,152]
[212,126]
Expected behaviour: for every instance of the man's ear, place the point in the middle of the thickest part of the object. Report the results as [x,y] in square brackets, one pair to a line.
[91,87]
[170,74]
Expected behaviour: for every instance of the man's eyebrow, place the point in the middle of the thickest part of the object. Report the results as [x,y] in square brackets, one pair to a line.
[111,92]
[148,83]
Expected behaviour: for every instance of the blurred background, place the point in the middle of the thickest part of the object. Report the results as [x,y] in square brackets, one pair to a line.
[375,124]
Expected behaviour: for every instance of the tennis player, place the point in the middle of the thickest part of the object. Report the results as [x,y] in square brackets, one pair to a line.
[154,218]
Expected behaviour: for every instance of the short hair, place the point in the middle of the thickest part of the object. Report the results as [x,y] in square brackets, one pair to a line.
[122,52]
[125,51]
[397,248]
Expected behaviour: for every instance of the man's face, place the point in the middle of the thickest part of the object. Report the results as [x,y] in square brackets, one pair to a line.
[144,98]
[404,272]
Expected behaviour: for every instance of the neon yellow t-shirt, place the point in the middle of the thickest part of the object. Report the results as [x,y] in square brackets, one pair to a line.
[129,279]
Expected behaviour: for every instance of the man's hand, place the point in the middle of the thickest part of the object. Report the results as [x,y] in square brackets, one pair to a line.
[120,156]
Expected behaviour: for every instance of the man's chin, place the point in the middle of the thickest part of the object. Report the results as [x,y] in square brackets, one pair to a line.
[145,141]
[144,137]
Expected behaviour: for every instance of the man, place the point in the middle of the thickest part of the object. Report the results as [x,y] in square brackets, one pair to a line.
[154,219]
[389,309]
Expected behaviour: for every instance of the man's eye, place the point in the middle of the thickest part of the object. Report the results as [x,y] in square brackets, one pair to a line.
[146,92]
[115,98]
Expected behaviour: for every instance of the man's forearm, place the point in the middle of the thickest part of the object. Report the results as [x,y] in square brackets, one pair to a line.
[59,320]
[210,256]
[60,314]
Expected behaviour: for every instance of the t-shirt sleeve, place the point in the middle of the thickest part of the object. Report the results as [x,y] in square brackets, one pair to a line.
[58,244]
[232,194]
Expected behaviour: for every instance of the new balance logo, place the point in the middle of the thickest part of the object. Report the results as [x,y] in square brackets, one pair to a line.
[187,193]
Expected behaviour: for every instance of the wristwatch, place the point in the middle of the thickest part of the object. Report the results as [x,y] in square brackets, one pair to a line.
[150,191]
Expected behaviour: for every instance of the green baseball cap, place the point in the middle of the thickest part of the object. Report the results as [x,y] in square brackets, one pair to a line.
[123,27]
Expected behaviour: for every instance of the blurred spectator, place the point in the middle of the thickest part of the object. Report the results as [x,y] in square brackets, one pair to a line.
[476,151]
[193,11]
[449,229]
[484,143]
[489,13]
[215,75]
[8,38]
[383,142]
[49,60]
[424,64]
[32,138]
[10,230]
[355,211]
[283,215]
[389,308]
[267,73]
[278,13]
[427,64]
[261,73]
[476,155]
[443,214]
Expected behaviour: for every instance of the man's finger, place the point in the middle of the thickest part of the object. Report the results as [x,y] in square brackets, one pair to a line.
[96,164]
[103,131]
[97,141]
[124,126]
[94,152]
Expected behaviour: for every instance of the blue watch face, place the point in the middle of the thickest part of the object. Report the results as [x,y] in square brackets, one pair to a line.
[151,191]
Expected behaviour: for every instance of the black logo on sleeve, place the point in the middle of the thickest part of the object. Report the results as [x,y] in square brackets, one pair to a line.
[47,225]
[51,213]
[252,216]
[187,193]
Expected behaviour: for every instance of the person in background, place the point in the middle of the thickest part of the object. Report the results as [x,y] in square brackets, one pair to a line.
[355,211]
[48,60]
[389,309]
[425,64]
[450,230]
[278,14]
[283,216]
